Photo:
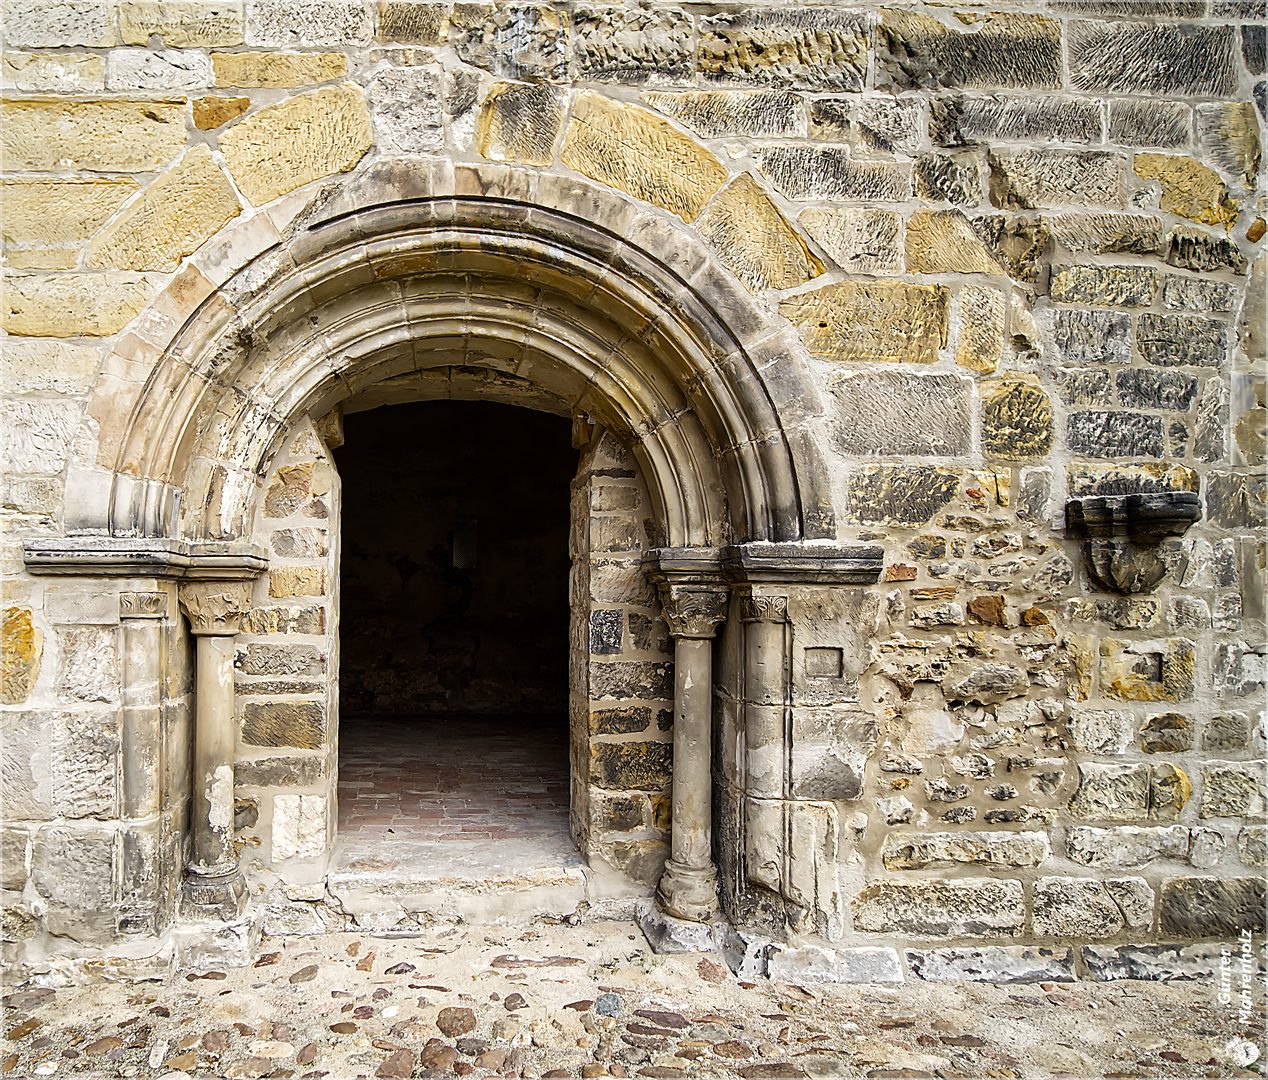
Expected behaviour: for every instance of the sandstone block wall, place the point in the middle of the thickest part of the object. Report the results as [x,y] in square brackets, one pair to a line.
[1020,253]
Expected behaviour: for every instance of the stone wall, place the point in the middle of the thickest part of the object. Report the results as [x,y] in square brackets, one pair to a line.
[981,265]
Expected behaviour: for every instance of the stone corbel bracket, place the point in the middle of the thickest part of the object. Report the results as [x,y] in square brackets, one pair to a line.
[1121,535]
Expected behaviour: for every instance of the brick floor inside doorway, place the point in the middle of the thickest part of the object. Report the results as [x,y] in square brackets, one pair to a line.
[454,779]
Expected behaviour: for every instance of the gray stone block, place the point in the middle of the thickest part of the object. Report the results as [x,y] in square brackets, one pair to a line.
[1193,249]
[1127,846]
[903,494]
[1092,337]
[1199,294]
[894,413]
[632,679]
[1026,179]
[1141,388]
[961,907]
[307,23]
[666,934]
[1207,907]
[1235,500]
[812,964]
[808,172]
[1165,124]
[1114,434]
[615,44]
[953,178]
[1173,61]
[816,48]
[1074,907]
[1090,386]
[919,851]
[1165,963]
[267,659]
[519,41]
[721,114]
[405,109]
[963,121]
[1001,964]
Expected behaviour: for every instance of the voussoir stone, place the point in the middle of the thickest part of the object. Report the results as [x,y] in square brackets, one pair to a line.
[872,321]
[754,240]
[305,137]
[108,136]
[808,49]
[182,208]
[634,150]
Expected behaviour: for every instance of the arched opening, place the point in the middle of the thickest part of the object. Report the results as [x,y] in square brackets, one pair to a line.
[453,634]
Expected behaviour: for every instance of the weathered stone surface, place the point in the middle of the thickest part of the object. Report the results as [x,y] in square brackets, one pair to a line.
[1088,479]
[1165,124]
[918,851]
[1002,964]
[1108,286]
[57,216]
[307,136]
[1109,234]
[405,107]
[1170,340]
[182,24]
[74,872]
[411,23]
[277,772]
[901,494]
[872,321]
[979,345]
[644,766]
[307,23]
[1212,422]
[1025,179]
[297,581]
[281,69]
[300,724]
[964,907]
[69,305]
[299,543]
[21,652]
[35,435]
[1017,242]
[88,664]
[1153,962]
[106,136]
[811,964]
[858,241]
[31,23]
[141,69]
[1201,907]
[1101,731]
[1227,731]
[720,114]
[1193,249]
[1087,387]
[1147,670]
[1189,189]
[620,721]
[1229,134]
[632,679]
[639,153]
[1091,337]
[1252,845]
[1235,500]
[1111,792]
[954,178]
[54,73]
[633,46]
[984,683]
[1167,733]
[525,41]
[963,121]
[754,240]
[889,412]
[261,658]
[1199,294]
[1128,846]
[809,172]
[830,748]
[1232,789]
[808,49]
[182,208]
[1017,420]
[1142,388]
[1206,848]
[943,242]
[1172,61]
[915,51]
[213,111]
[883,125]
[1074,907]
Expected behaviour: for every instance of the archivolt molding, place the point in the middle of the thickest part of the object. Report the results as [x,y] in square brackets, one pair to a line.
[396,284]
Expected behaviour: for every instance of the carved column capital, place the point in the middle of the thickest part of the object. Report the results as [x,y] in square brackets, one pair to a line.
[142,605]
[216,607]
[756,606]
[693,610]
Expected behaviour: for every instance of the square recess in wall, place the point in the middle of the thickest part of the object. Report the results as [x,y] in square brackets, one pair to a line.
[824,664]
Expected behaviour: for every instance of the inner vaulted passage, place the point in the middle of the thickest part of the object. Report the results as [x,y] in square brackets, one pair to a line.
[454,626]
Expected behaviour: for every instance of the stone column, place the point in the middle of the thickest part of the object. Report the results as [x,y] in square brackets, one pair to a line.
[766,693]
[694,603]
[214,886]
[142,615]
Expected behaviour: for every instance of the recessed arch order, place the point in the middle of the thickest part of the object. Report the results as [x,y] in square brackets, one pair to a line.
[386,285]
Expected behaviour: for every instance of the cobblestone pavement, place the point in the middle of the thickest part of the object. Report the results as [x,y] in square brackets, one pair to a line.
[553,1000]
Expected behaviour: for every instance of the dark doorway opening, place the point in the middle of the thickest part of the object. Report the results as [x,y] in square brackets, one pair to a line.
[454,627]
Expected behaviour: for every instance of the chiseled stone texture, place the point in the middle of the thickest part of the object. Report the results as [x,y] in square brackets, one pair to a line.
[1207,907]
[282,146]
[105,136]
[88,664]
[1025,179]
[888,127]
[916,51]
[624,766]
[181,209]
[1128,846]
[307,23]
[1252,845]
[900,494]
[1108,234]
[1164,124]
[214,111]
[278,69]
[73,871]
[754,240]
[809,173]
[54,73]
[1233,789]
[298,724]
[42,25]
[637,152]
[943,242]
[1017,420]
[1189,188]
[1229,134]
[872,321]
[519,122]
[182,24]
[406,111]
[962,121]
[408,22]
[919,851]
[1235,501]
[859,241]
[1017,241]
[953,178]
[819,48]
[1000,964]
[20,656]
[1111,792]
[1174,340]
[964,907]
[69,305]
[1196,249]
[892,412]
[518,41]
[140,69]
[1105,286]
[1140,58]
[60,213]
[1075,907]
[979,345]
[1101,731]
[719,114]
[1147,670]
[1145,389]
[625,45]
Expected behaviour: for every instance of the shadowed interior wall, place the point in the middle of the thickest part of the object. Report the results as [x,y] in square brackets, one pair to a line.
[419,633]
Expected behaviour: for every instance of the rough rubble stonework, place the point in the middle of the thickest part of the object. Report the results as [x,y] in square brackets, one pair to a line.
[884,334]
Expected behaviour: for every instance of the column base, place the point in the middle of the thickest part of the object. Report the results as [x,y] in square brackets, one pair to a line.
[221,896]
[689,892]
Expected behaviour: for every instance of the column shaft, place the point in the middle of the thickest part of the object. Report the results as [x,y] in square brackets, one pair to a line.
[692,806]
[213,758]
